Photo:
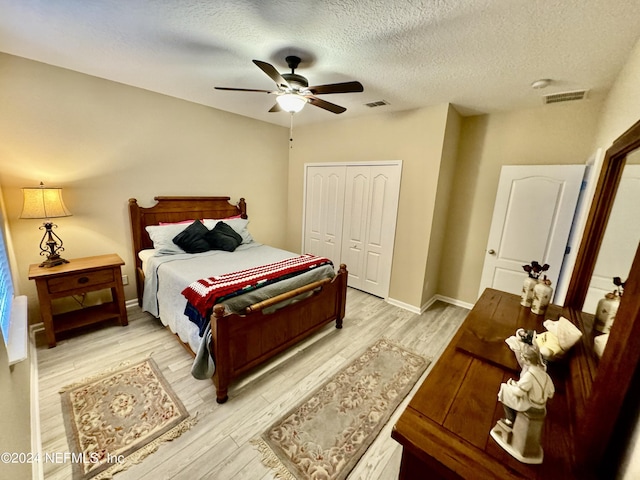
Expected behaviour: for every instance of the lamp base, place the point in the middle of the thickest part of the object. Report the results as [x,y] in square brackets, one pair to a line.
[53,261]
[51,245]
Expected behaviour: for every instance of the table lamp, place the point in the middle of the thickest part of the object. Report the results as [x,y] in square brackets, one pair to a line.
[46,203]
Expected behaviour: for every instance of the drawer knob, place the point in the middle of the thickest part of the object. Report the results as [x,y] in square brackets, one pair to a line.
[83,279]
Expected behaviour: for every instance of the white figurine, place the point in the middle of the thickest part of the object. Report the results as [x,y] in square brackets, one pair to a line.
[532,390]
[519,341]
[524,402]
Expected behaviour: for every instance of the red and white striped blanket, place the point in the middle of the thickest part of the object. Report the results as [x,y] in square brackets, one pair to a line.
[203,294]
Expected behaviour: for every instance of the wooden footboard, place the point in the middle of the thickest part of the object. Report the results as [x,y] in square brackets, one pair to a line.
[243,341]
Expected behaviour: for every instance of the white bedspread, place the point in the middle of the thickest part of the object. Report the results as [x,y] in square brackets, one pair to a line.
[167,275]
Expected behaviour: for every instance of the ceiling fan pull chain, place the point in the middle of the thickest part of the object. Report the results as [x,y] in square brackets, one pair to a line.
[291,132]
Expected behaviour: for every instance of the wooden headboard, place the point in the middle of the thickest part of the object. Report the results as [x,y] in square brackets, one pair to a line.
[174,209]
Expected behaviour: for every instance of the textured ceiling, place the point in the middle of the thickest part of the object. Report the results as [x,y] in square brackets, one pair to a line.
[480,55]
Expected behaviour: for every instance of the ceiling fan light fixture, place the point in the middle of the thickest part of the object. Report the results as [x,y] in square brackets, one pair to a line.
[290,102]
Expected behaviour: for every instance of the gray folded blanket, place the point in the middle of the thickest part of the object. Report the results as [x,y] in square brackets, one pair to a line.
[203,365]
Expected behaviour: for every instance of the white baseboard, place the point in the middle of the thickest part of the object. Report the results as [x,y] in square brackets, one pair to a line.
[131,303]
[431,301]
[453,301]
[406,306]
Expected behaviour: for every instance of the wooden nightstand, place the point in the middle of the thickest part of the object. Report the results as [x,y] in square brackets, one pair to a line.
[80,275]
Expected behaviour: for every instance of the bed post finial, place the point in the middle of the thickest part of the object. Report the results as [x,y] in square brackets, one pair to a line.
[219,310]
[242,205]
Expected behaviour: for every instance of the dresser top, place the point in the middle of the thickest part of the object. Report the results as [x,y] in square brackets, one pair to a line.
[76,265]
[449,418]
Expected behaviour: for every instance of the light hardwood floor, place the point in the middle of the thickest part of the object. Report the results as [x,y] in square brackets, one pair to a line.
[218,446]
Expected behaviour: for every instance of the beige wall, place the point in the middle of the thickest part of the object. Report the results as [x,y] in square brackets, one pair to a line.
[105,142]
[441,216]
[416,137]
[622,106]
[553,134]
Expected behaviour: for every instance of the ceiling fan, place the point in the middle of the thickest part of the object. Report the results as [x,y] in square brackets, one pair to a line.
[294,92]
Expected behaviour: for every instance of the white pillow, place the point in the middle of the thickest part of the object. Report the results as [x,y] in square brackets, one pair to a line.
[238,224]
[146,254]
[162,237]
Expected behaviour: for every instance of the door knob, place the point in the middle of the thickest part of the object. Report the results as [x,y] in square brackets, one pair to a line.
[491,252]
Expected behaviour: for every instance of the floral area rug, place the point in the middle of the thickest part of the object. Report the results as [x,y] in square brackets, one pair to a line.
[117,418]
[327,433]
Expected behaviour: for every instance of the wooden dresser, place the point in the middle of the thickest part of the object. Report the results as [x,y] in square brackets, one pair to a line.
[445,428]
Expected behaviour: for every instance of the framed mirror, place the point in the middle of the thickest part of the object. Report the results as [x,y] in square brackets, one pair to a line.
[599,388]
[621,236]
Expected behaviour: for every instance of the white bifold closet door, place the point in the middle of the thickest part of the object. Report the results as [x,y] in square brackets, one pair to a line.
[324,206]
[362,226]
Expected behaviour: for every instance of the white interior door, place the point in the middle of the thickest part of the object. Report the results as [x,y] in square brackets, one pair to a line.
[371,207]
[532,218]
[620,240]
[324,204]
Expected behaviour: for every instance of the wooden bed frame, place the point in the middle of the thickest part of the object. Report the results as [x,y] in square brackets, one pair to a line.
[241,342]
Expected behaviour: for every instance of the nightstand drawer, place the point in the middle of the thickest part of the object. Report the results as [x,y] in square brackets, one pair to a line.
[80,280]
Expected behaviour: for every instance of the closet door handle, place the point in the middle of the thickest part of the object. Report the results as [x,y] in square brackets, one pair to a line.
[491,252]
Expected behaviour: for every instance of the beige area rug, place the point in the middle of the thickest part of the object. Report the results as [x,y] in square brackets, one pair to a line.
[327,433]
[115,419]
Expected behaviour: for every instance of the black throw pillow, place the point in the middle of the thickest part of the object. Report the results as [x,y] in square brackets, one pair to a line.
[192,239]
[223,237]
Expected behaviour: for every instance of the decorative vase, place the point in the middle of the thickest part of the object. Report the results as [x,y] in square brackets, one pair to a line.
[606,312]
[542,293]
[527,291]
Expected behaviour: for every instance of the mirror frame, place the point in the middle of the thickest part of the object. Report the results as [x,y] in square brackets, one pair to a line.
[598,388]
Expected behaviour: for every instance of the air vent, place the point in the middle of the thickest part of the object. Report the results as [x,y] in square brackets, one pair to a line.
[379,103]
[565,96]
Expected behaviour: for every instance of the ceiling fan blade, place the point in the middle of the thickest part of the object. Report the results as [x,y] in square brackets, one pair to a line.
[273,73]
[276,108]
[332,107]
[345,87]
[244,89]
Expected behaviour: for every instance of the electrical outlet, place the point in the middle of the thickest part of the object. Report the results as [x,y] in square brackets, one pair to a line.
[125,279]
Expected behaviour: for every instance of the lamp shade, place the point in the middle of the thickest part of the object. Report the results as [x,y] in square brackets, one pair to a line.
[291,102]
[43,202]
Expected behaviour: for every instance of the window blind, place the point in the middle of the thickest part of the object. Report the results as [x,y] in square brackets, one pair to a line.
[6,289]
[13,311]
